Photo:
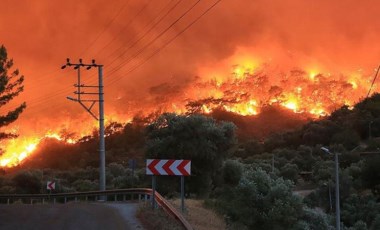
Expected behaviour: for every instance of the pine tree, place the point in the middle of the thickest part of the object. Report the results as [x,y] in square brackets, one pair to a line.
[11,85]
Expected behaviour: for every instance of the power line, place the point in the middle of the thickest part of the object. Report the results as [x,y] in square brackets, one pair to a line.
[35,103]
[92,43]
[154,39]
[112,81]
[105,28]
[65,90]
[36,77]
[157,16]
[373,82]
[148,31]
[130,22]
[43,99]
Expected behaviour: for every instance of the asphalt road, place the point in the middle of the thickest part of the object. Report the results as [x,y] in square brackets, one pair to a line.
[70,216]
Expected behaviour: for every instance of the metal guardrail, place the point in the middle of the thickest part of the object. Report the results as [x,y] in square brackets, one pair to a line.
[160,200]
[172,211]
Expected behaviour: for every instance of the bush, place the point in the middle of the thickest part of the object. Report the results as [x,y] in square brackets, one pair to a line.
[85,185]
[359,225]
[116,169]
[261,202]
[357,208]
[28,182]
[232,172]
[375,225]
[314,219]
[290,172]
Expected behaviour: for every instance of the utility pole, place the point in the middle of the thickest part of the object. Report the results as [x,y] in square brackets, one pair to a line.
[337,196]
[88,104]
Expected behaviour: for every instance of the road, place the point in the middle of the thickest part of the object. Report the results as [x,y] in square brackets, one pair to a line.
[70,216]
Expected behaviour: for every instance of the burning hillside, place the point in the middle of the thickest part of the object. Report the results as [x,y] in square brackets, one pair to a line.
[244,92]
[308,58]
[316,94]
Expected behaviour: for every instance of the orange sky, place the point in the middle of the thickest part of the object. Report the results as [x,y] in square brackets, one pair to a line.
[336,37]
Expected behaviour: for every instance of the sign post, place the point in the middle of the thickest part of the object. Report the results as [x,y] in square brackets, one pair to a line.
[183,194]
[154,192]
[157,167]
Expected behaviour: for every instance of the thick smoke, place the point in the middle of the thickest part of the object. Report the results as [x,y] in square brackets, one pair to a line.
[330,36]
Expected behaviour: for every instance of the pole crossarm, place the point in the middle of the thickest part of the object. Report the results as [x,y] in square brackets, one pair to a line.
[80,64]
[79,85]
[83,93]
[88,86]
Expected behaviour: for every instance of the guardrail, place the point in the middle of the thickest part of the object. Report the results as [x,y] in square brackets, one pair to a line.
[94,195]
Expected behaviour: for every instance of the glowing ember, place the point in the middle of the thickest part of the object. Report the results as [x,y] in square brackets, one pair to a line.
[312,76]
[319,112]
[291,105]
[249,108]
[205,109]
[354,84]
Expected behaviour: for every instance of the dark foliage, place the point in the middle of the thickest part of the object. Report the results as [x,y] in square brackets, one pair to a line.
[197,138]
[11,85]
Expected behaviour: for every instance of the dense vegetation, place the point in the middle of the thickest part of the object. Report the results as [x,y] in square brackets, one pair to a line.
[281,182]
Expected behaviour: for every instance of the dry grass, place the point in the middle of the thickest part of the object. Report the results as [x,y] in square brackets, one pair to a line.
[156,219]
[200,217]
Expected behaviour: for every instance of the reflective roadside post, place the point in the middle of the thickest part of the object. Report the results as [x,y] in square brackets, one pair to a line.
[337,205]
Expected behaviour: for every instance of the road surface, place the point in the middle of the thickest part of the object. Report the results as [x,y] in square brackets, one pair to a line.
[70,216]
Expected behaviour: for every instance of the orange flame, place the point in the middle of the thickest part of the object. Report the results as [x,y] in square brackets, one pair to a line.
[244,91]
[18,149]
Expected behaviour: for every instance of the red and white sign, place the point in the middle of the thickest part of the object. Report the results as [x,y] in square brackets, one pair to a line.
[168,167]
[50,185]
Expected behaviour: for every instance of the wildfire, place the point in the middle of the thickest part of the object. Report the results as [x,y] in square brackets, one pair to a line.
[245,91]
[312,75]
[248,108]
[292,105]
[18,149]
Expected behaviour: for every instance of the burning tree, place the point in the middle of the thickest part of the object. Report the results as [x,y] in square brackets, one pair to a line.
[11,85]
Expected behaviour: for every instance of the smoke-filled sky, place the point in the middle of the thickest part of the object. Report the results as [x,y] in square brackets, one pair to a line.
[330,36]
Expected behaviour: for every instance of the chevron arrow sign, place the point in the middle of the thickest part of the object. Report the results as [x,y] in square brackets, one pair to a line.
[50,185]
[168,167]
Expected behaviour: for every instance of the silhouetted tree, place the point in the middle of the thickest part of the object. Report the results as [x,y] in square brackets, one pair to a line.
[10,87]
